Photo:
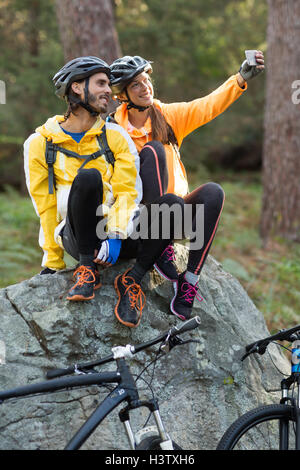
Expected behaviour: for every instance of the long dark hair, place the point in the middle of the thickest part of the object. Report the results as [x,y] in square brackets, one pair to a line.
[161,129]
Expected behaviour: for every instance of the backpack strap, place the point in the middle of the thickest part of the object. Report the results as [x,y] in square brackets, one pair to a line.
[52,149]
[103,144]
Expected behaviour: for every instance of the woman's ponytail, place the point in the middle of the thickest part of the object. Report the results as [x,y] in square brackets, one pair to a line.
[161,129]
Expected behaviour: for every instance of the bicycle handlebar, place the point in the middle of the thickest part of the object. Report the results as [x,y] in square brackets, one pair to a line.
[261,345]
[187,326]
[175,330]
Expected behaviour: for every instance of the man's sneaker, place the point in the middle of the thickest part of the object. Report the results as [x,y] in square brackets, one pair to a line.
[182,302]
[131,300]
[87,279]
[165,266]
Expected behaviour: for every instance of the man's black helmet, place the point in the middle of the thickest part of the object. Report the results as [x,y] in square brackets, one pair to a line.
[77,69]
[125,69]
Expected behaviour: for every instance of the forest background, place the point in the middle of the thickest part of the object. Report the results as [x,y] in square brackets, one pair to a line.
[195,45]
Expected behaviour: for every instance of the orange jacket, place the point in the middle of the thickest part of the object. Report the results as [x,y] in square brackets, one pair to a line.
[184,118]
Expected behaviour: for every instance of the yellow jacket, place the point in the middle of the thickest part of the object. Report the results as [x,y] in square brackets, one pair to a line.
[122,187]
[184,118]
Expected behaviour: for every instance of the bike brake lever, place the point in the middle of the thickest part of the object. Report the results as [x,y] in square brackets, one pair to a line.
[245,356]
[295,336]
[173,341]
[169,343]
[252,350]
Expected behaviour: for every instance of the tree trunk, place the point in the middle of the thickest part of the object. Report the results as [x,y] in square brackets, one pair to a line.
[87,27]
[34,12]
[281,159]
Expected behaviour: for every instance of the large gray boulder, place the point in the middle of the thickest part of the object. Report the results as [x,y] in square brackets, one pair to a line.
[202,387]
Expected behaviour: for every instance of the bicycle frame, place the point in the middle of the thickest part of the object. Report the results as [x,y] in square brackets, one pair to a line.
[108,404]
[126,390]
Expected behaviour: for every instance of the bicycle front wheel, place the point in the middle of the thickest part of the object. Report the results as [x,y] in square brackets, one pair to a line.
[269,427]
[153,443]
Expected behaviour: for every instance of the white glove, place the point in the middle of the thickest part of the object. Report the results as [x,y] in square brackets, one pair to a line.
[109,251]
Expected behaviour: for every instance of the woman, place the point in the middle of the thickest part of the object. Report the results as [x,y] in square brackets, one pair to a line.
[158,130]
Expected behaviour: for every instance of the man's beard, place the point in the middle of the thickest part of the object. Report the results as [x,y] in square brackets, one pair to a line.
[100,108]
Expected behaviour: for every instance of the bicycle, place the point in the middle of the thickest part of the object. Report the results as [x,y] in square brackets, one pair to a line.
[147,438]
[271,426]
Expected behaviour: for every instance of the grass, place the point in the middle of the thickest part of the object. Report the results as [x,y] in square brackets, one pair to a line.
[270,275]
[20,257]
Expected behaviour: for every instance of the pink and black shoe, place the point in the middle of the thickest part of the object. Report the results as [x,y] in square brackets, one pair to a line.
[182,302]
[165,264]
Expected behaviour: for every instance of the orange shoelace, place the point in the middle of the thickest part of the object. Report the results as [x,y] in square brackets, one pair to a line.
[137,297]
[84,275]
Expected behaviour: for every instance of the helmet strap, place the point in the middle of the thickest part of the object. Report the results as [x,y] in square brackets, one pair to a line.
[86,90]
[135,106]
[85,104]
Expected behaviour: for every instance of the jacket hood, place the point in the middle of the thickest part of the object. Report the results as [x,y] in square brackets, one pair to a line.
[51,130]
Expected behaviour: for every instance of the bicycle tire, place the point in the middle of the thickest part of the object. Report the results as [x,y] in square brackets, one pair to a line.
[153,443]
[245,424]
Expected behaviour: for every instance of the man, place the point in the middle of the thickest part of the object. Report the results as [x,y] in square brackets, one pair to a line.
[77,164]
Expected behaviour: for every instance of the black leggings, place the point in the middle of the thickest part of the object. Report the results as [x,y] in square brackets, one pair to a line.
[85,197]
[79,235]
[153,171]
[155,182]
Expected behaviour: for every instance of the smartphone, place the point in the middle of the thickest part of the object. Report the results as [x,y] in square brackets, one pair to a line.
[250,56]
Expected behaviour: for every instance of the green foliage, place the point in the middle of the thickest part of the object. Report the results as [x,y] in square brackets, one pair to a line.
[30,55]
[20,256]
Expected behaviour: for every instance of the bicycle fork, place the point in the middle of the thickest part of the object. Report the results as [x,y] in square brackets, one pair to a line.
[159,429]
[132,397]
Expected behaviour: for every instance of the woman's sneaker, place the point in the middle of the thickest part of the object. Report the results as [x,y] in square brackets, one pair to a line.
[87,279]
[131,300]
[182,302]
[165,266]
